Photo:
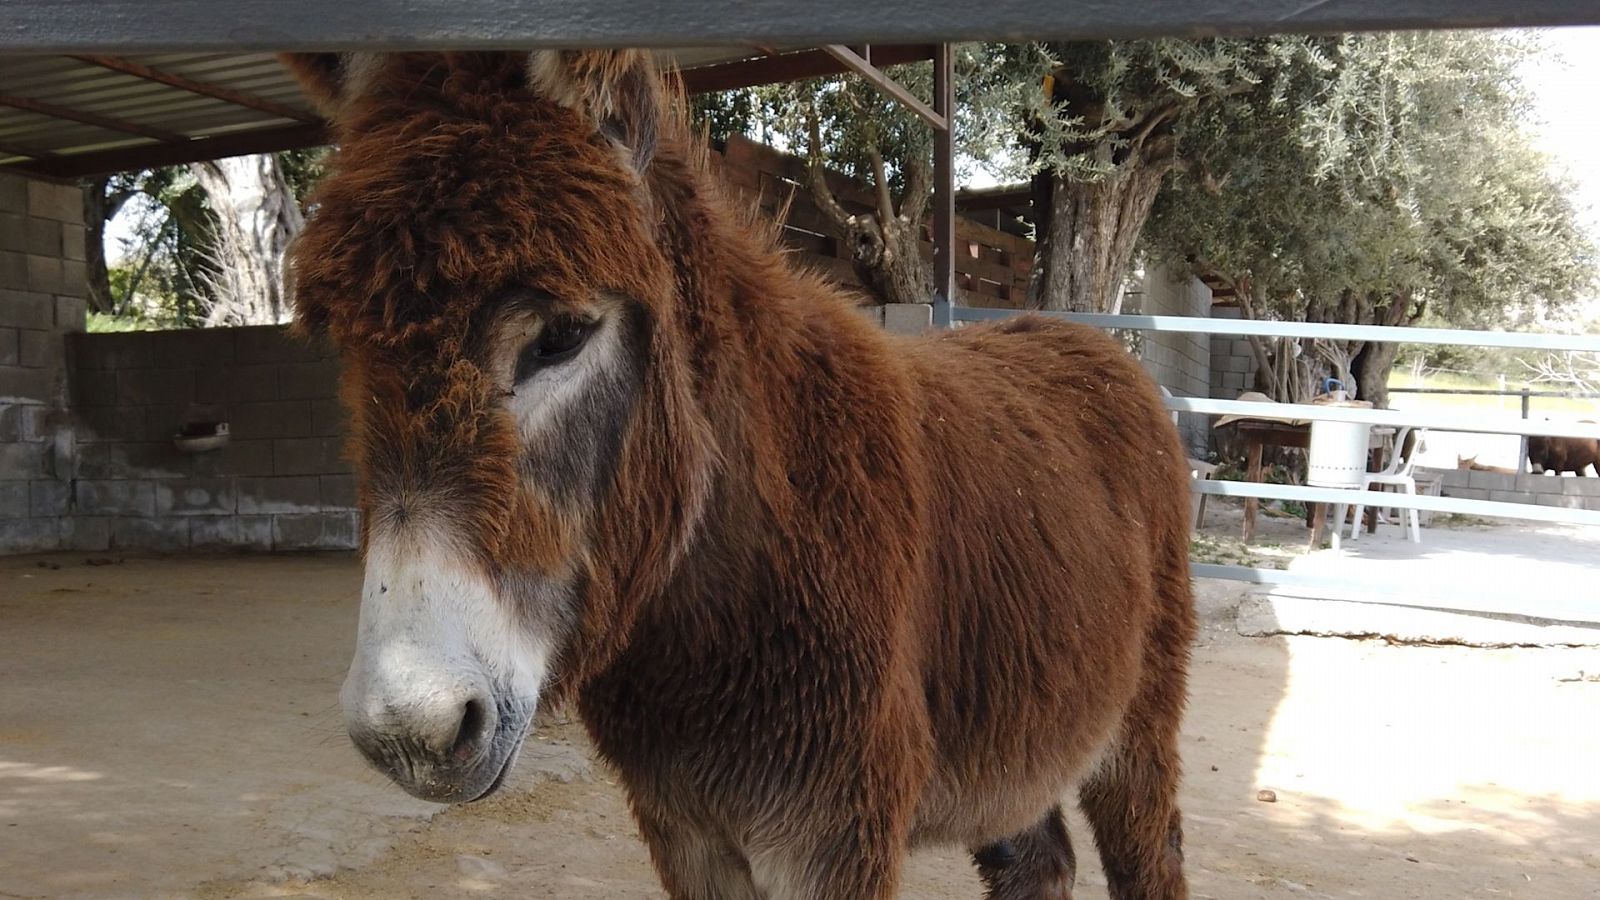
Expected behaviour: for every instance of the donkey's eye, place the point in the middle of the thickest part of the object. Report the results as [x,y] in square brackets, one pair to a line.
[559,340]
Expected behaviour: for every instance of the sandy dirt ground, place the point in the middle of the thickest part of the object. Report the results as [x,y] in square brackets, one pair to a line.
[168,729]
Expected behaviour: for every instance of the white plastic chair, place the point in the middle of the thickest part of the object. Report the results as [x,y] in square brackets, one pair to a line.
[1397,473]
[1198,471]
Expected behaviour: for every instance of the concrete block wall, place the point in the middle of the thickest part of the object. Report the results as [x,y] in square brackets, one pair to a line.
[1233,366]
[1544,490]
[1180,362]
[42,291]
[281,482]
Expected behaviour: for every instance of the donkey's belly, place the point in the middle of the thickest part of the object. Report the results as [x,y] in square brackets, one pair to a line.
[976,802]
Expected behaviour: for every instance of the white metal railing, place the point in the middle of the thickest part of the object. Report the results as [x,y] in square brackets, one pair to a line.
[1440,421]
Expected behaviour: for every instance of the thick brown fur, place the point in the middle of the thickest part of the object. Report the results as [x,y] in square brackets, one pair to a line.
[844,594]
[1564,454]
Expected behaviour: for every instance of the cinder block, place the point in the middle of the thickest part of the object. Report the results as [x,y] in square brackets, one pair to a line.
[1563,501]
[114,497]
[1493,481]
[118,351]
[252,458]
[160,535]
[238,384]
[274,344]
[61,202]
[338,491]
[328,417]
[150,459]
[72,313]
[196,497]
[13,236]
[1511,496]
[1539,484]
[907,318]
[27,384]
[272,419]
[1581,487]
[208,348]
[1464,493]
[24,461]
[42,236]
[13,270]
[255,532]
[317,531]
[88,533]
[308,456]
[72,245]
[74,279]
[44,274]
[13,194]
[280,494]
[29,535]
[26,309]
[308,380]
[49,498]
[147,387]
[14,500]
[39,349]
[10,347]
[99,424]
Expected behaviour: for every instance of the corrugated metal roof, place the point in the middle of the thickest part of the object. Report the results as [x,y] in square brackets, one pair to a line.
[66,116]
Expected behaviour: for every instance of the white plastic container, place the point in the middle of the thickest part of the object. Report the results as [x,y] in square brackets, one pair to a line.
[1338,454]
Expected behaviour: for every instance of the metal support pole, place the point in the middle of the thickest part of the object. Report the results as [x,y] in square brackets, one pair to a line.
[944,189]
[1522,459]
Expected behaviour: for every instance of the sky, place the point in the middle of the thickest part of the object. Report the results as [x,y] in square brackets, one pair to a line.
[1565,83]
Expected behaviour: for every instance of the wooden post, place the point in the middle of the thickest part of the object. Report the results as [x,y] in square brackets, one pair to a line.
[1251,504]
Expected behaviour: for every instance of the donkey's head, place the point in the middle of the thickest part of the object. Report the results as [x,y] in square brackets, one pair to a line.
[531,458]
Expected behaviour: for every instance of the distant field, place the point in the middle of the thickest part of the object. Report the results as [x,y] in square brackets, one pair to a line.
[1444,448]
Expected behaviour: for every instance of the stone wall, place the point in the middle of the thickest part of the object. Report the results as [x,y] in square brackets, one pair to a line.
[280,483]
[1544,490]
[41,299]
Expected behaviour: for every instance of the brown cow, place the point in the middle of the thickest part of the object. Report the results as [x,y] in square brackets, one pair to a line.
[821,595]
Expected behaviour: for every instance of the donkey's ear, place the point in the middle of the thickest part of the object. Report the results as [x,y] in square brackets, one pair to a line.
[321,77]
[331,80]
[619,91]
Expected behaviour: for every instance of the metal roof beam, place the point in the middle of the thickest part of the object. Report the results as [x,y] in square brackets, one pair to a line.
[214,91]
[143,26]
[887,86]
[785,67]
[263,140]
[109,123]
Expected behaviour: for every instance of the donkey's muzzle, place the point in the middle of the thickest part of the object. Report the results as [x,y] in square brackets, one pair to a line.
[448,745]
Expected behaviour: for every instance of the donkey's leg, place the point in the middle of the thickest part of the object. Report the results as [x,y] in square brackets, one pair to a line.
[692,864]
[1131,799]
[1035,865]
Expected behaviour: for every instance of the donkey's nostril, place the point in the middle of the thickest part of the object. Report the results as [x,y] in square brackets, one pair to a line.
[474,717]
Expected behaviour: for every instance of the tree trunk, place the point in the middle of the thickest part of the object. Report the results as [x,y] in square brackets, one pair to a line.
[256,216]
[101,203]
[1088,234]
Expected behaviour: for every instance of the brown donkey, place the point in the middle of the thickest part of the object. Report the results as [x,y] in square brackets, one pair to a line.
[821,595]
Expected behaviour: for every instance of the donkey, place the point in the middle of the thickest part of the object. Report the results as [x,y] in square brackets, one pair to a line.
[1563,454]
[820,595]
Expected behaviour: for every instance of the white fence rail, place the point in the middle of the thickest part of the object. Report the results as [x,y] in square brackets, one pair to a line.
[1441,421]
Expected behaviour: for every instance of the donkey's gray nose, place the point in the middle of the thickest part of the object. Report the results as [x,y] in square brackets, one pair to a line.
[432,736]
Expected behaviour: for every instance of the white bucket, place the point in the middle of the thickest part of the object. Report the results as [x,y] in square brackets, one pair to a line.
[1338,454]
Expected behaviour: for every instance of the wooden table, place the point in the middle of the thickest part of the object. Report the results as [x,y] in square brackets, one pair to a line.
[1258,433]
